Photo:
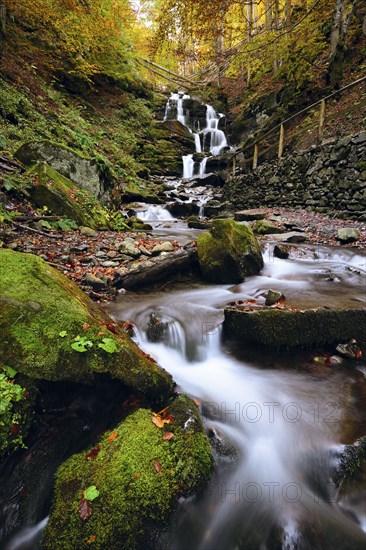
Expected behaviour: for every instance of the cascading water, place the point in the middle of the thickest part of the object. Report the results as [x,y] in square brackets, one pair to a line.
[210,139]
[276,432]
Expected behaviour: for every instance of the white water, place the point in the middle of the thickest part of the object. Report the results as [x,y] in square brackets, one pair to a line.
[28,538]
[284,424]
[155,212]
[213,139]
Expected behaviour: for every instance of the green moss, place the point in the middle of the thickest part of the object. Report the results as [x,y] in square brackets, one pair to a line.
[134,498]
[284,328]
[37,304]
[229,252]
[262,227]
[63,197]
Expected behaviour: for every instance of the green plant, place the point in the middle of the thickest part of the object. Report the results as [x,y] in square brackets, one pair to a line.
[81,344]
[10,417]
[108,345]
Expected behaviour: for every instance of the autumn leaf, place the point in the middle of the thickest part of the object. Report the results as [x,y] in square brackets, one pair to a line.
[112,437]
[92,455]
[91,539]
[136,476]
[85,509]
[157,467]
[168,436]
[86,326]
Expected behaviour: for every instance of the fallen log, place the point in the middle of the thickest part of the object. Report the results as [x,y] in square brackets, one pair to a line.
[158,269]
[287,328]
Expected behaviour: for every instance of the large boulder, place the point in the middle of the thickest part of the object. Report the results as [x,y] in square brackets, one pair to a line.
[51,330]
[288,328]
[91,174]
[62,197]
[139,473]
[229,252]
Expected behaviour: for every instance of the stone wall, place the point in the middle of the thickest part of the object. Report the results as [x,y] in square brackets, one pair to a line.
[325,178]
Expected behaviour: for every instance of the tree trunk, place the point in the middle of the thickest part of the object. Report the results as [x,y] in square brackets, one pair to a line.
[268,13]
[288,13]
[343,14]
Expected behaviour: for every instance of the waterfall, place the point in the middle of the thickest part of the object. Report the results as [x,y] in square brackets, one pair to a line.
[210,139]
[155,212]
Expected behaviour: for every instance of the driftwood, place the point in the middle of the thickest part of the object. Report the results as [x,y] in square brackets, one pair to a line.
[158,269]
[39,232]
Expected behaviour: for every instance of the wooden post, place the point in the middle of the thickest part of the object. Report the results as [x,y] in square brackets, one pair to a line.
[255,156]
[234,165]
[321,121]
[280,143]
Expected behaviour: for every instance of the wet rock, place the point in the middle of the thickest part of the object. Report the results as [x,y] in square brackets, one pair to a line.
[214,208]
[281,251]
[215,180]
[94,281]
[348,235]
[229,252]
[290,237]
[262,227]
[140,478]
[31,340]
[179,209]
[351,461]
[197,224]
[249,215]
[286,328]
[163,247]
[88,231]
[273,296]
[350,350]
[157,329]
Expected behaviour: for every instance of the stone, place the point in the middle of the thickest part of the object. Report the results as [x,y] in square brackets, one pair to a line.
[348,235]
[262,227]
[88,231]
[281,251]
[286,328]
[215,180]
[94,281]
[228,253]
[273,296]
[144,251]
[290,237]
[179,209]
[128,247]
[91,174]
[49,188]
[197,224]
[140,477]
[162,247]
[110,263]
[249,215]
[31,341]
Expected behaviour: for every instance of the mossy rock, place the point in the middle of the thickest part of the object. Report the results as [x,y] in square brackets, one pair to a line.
[229,252]
[92,174]
[262,227]
[286,328]
[141,192]
[139,476]
[62,197]
[42,312]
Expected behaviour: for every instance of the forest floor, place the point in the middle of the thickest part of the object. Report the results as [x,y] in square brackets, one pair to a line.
[99,255]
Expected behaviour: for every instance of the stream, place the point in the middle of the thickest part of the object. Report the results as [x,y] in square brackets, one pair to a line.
[277,422]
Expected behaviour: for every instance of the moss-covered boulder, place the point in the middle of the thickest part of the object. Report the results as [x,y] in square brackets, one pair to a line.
[229,252]
[288,328]
[62,197]
[91,174]
[51,330]
[139,473]
[262,227]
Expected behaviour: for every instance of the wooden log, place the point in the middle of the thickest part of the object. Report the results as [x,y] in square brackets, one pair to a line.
[281,141]
[159,269]
[255,156]
[321,121]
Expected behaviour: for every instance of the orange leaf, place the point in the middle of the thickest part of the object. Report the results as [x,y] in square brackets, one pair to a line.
[157,467]
[86,326]
[136,476]
[158,421]
[168,436]
[198,402]
[91,539]
[112,437]
[93,453]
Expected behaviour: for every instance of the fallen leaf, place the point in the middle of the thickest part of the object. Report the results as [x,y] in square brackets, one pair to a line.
[15,429]
[85,509]
[91,539]
[198,402]
[168,436]
[112,437]
[158,421]
[157,467]
[86,326]
[91,493]
[136,476]
[93,453]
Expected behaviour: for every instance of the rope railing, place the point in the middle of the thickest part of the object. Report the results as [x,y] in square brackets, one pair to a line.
[281,128]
